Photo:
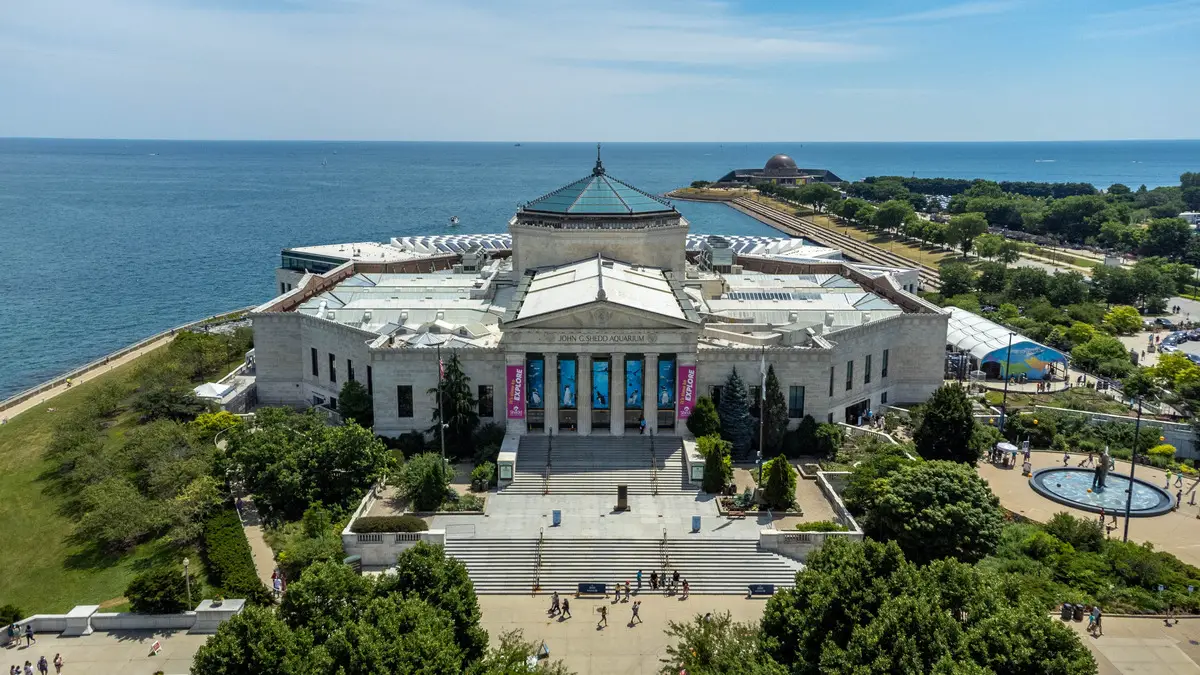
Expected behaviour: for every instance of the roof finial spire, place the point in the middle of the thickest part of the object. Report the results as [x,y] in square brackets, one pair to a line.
[599,170]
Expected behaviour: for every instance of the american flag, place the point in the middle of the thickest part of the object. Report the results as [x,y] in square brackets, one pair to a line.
[441,369]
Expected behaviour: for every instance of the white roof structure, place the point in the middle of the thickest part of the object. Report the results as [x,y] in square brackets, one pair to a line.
[212,390]
[595,279]
[978,336]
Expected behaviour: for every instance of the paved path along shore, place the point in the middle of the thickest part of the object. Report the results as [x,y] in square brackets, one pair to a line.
[46,396]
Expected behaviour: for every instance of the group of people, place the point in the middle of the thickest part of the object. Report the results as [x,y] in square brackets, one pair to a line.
[660,581]
[43,666]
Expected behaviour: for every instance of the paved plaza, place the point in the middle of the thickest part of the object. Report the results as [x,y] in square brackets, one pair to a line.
[117,653]
[1177,532]
[1144,646]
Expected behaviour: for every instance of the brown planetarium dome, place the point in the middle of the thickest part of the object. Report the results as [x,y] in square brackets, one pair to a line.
[780,163]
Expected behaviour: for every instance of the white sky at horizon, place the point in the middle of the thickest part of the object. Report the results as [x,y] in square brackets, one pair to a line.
[547,70]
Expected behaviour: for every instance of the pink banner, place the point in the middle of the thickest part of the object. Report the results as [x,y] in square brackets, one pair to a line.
[514,392]
[687,391]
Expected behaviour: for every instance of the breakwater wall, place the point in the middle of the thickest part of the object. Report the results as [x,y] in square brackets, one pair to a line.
[104,360]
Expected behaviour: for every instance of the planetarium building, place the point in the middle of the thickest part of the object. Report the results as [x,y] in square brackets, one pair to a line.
[596,309]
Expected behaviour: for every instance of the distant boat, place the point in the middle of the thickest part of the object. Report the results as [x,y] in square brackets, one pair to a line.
[516,145]
[453,221]
[324,162]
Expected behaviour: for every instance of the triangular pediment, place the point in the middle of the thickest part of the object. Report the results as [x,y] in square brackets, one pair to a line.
[601,314]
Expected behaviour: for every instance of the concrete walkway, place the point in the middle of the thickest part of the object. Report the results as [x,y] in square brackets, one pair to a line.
[49,394]
[1144,645]
[264,556]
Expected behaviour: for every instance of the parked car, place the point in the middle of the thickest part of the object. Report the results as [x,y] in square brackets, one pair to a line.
[1165,323]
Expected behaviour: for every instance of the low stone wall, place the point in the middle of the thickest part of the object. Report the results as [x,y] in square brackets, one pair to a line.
[693,462]
[832,484]
[1177,434]
[799,545]
[852,430]
[381,549]
[86,619]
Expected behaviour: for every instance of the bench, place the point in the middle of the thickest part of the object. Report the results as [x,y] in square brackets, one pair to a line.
[735,514]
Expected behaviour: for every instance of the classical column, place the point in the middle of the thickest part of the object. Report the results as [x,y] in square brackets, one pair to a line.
[516,426]
[616,395]
[583,393]
[550,393]
[650,391]
[680,361]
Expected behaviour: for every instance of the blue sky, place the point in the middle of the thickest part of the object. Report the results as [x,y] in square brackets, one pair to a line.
[616,70]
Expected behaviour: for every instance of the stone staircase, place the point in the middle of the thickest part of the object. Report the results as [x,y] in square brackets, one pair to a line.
[711,566]
[596,465]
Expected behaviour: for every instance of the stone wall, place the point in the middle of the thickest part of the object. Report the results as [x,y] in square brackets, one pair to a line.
[662,247]
[418,368]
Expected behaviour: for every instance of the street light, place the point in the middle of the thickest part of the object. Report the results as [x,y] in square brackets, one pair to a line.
[187,579]
[1004,399]
[1132,465]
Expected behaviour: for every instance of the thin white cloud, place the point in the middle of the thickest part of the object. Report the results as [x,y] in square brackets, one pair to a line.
[1140,21]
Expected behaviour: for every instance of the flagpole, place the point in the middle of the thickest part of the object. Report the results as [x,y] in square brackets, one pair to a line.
[762,398]
[441,412]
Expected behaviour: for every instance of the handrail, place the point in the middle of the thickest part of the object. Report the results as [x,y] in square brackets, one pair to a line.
[653,466]
[546,471]
[664,554]
[537,560]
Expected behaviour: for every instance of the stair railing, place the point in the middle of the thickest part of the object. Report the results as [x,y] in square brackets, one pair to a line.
[537,560]
[664,555]
[546,471]
[653,466]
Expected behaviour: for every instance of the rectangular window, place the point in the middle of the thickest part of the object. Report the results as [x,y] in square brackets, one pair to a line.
[883,398]
[404,400]
[282,288]
[755,400]
[370,383]
[830,418]
[332,368]
[849,374]
[714,393]
[867,370]
[333,403]
[795,401]
[831,380]
[883,369]
[349,370]
[314,362]
[485,400]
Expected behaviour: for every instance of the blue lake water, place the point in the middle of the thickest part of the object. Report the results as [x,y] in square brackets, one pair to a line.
[106,242]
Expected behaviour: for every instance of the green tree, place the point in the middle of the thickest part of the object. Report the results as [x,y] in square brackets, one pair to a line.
[984,437]
[704,420]
[461,410]
[817,194]
[159,590]
[964,229]
[1102,351]
[1066,288]
[775,410]
[716,645]
[780,488]
[988,245]
[1124,319]
[957,278]
[403,635]
[354,403]
[718,467]
[937,509]
[828,439]
[891,215]
[946,427]
[1026,283]
[737,426]
[257,641]
[512,655]
[425,480]
[1167,237]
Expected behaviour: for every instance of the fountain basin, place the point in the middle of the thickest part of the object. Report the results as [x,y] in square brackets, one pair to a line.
[1072,486]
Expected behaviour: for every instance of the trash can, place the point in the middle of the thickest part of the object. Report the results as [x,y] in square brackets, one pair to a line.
[1068,611]
[556,517]
[1079,612]
[695,523]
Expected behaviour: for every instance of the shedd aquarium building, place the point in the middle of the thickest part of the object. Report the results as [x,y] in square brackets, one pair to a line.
[594,311]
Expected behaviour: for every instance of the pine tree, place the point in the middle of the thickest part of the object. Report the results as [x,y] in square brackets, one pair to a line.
[462,415]
[946,427]
[737,426]
[704,420]
[354,403]
[775,408]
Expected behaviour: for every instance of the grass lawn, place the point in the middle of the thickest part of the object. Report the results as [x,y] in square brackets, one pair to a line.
[45,570]
[924,254]
[1076,398]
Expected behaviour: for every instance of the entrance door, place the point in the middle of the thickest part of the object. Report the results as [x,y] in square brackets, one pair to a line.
[854,412]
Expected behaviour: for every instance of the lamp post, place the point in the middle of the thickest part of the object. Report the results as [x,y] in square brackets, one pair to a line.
[187,579]
[1004,398]
[1137,427]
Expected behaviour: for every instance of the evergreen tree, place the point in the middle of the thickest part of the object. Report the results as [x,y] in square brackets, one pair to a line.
[704,420]
[779,489]
[947,426]
[462,415]
[737,426]
[775,408]
[354,403]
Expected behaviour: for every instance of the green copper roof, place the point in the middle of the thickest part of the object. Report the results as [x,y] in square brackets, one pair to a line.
[598,194]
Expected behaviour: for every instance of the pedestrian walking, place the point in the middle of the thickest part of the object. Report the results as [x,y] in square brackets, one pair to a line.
[566,609]
[636,606]
[1170,614]
[639,579]
[686,589]
[43,666]
[603,617]
[28,668]
[58,663]
[278,587]
[1094,626]
[1178,499]
[13,634]
[29,639]
[627,591]
[653,580]
[1178,479]
[675,581]
[554,604]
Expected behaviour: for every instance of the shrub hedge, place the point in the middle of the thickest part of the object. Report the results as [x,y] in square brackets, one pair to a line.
[821,526]
[230,562]
[388,524]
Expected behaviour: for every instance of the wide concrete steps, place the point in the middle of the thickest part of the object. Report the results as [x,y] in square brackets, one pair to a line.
[589,465]
[711,566]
